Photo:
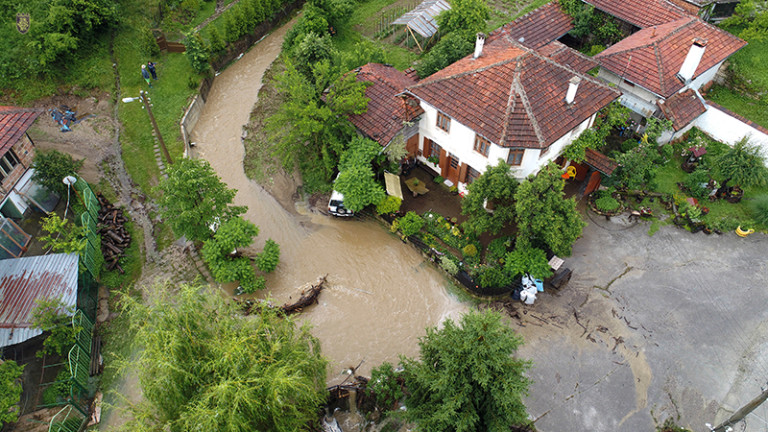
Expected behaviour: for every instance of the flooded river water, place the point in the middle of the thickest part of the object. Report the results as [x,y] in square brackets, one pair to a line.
[380,295]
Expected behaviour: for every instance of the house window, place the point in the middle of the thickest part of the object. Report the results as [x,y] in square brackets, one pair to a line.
[515,157]
[7,163]
[443,121]
[472,175]
[482,145]
[435,150]
[454,162]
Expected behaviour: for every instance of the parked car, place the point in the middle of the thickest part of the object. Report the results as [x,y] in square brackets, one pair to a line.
[336,205]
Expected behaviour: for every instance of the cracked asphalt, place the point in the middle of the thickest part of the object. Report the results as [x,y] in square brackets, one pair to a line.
[650,327]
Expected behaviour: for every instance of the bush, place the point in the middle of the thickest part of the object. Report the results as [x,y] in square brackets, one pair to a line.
[607,204]
[694,181]
[410,224]
[390,204]
[469,250]
[52,166]
[196,52]
[759,210]
[439,179]
[493,277]
[527,259]
[268,259]
[497,249]
[10,391]
[448,265]
[387,386]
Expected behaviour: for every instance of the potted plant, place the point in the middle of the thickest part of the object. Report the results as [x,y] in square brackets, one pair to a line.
[734,195]
[433,159]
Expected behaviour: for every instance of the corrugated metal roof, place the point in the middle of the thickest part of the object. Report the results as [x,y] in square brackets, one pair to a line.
[422,18]
[24,280]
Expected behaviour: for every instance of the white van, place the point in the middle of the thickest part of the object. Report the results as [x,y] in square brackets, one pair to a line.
[336,205]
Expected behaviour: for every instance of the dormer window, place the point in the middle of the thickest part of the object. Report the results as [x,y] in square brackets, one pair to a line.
[482,145]
[443,121]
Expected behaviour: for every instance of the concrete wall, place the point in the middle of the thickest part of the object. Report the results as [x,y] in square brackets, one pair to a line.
[729,128]
[188,122]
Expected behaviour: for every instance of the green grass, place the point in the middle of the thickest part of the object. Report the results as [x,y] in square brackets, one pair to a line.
[746,92]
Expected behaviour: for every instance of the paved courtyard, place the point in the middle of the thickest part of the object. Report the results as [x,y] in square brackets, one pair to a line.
[650,327]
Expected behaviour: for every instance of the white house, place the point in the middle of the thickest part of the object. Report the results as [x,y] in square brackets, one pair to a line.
[505,101]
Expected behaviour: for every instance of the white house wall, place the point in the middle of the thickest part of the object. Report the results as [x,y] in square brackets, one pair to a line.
[707,77]
[723,127]
[460,141]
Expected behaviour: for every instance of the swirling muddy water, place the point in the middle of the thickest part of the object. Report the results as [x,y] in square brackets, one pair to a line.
[380,294]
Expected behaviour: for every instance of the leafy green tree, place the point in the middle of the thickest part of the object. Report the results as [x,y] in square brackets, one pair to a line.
[467,377]
[311,132]
[356,177]
[497,186]
[10,391]
[52,166]
[527,259]
[743,164]
[312,20]
[227,264]
[637,167]
[447,50]
[62,235]
[465,18]
[613,116]
[268,259]
[52,316]
[311,49]
[361,53]
[217,42]
[409,224]
[203,366]
[197,51]
[752,16]
[194,197]
[544,216]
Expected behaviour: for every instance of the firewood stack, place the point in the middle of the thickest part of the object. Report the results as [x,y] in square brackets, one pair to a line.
[115,239]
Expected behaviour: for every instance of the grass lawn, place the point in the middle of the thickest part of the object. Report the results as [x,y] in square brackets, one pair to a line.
[747,92]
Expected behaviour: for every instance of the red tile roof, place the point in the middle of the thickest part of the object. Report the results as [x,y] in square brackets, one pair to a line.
[563,54]
[386,111]
[682,108]
[539,27]
[599,161]
[653,56]
[642,13]
[512,95]
[14,122]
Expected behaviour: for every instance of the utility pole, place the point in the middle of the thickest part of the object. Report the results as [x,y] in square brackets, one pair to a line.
[742,412]
[145,99]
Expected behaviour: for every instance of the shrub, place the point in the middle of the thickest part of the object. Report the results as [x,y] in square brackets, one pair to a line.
[759,209]
[527,259]
[390,204]
[448,265]
[52,166]
[10,391]
[607,204]
[743,164]
[439,179]
[497,249]
[197,52]
[694,181]
[410,224]
[386,386]
[268,259]
[493,277]
[469,250]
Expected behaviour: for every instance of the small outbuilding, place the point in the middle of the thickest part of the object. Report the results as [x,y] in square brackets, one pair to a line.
[422,20]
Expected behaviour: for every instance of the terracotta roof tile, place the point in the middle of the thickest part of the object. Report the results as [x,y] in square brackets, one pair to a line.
[641,13]
[14,122]
[682,108]
[538,27]
[600,162]
[653,56]
[563,54]
[512,95]
[386,111]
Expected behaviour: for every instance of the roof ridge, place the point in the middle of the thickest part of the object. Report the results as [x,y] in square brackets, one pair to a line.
[660,71]
[424,82]
[510,107]
[529,110]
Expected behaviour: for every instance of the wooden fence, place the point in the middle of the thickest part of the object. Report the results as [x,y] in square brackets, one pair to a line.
[174,47]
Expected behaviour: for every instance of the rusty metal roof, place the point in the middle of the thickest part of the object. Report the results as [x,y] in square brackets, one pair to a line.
[23,281]
[422,18]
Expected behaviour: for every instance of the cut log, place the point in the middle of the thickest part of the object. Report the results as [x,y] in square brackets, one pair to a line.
[115,237]
[113,248]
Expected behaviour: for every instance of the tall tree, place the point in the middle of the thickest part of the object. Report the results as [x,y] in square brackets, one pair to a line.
[497,187]
[752,16]
[544,216]
[228,264]
[465,17]
[467,378]
[203,366]
[356,177]
[194,197]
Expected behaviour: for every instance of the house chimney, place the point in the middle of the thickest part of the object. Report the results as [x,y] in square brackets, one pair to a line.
[479,45]
[573,85]
[688,69]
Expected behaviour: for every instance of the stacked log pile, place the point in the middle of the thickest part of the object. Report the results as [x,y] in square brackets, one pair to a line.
[115,238]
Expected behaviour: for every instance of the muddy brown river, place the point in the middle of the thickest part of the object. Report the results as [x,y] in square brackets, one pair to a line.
[380,295]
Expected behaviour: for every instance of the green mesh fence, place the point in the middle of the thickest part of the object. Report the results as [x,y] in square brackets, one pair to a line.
[66,420]
[89,198]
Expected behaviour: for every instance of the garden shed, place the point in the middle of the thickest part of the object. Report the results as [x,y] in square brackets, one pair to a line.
[422,20]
